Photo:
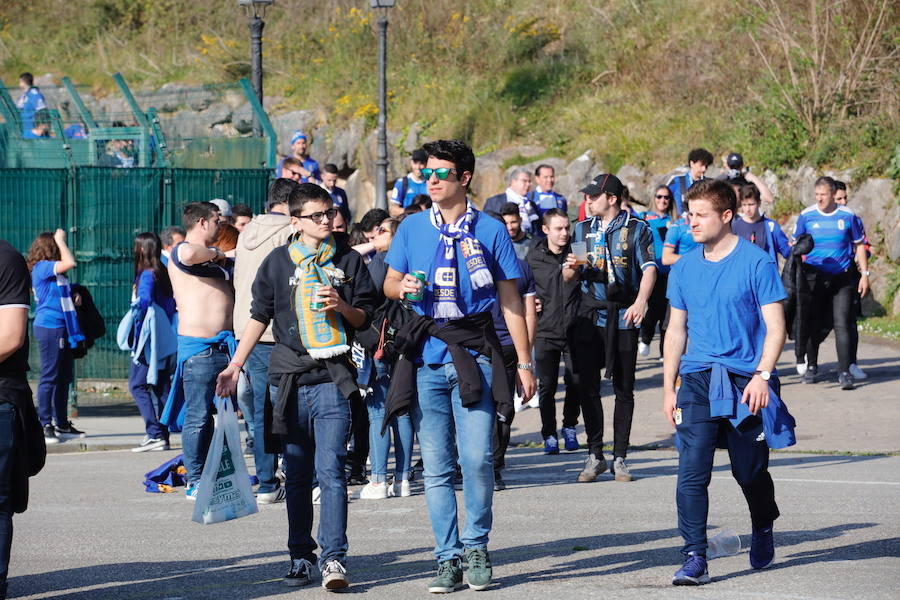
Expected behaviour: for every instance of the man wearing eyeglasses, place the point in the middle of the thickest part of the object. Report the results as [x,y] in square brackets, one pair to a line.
[308,167]
[316,291]
[291,168]
[451,371]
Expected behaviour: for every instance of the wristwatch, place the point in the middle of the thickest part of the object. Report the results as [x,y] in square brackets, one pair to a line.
[525,366]
[864,273]
[764,375]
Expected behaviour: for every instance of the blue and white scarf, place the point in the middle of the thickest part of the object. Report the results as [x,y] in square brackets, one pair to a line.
[445,276]
[73,330]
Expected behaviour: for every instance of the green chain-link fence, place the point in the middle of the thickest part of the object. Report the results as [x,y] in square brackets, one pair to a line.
[103,209]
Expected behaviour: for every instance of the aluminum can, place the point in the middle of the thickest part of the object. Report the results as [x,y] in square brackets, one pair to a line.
[315,304]
[420,275]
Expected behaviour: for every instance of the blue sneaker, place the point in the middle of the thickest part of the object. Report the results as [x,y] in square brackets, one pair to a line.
[692,572]
[191,492]
[762,548]
[571,442]
[551,445]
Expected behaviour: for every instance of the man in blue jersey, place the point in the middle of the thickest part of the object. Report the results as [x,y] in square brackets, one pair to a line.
[408,187]
[451,377]
[698,161]
[308,169]
[29,103]
[735,324]
[616,284]
[838,237]
[757,229]
[543,194]
[338,194]
[841,198]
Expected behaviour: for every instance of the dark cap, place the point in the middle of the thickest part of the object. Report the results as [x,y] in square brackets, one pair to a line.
[604,182]
[735,161]
[419,156]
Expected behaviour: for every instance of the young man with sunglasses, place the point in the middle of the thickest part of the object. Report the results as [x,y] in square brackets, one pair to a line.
[316,292]
[469,264]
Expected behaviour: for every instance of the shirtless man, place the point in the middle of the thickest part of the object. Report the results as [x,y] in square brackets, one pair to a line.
[201,281]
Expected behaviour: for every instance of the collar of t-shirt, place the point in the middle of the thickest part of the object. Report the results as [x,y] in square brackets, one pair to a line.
[411,176]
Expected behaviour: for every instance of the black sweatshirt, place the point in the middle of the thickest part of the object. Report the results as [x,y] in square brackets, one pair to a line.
[559,299]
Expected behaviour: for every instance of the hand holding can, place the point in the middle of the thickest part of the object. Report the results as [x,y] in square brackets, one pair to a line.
[421,282]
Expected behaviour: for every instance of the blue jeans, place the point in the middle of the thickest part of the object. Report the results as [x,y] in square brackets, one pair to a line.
[700,434]
[245,403]
[200,372]
[151,399]
[447,430]
[57,365]
[8,445]
[380,445]
[318,431]
[257,369]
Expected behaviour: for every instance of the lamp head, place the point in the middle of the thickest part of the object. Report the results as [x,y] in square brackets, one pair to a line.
[255,8]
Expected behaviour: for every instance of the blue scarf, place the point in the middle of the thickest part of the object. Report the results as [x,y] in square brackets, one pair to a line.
[445,276]
[73,330]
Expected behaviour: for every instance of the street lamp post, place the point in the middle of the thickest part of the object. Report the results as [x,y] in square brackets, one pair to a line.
[381,162]
[256,12]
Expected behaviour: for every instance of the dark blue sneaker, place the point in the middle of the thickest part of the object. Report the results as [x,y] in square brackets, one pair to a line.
[570,441]
[762,548]
[551,445]
[692,572]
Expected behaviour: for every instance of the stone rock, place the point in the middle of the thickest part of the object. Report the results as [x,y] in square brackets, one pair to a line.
[344,144]
[184,125]
[234,98]
[285,124]
[412,139]
[895,307]
[874,202]
[893,244]
[637,182]
[360,193]
[46,80]
[216,114]
[242,118]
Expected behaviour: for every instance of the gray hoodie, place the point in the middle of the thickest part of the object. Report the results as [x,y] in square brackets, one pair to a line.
[262,234]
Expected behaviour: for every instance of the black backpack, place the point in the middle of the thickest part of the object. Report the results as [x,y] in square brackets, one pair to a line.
[379,338]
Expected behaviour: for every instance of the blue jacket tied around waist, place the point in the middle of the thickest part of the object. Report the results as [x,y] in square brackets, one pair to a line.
[155,341]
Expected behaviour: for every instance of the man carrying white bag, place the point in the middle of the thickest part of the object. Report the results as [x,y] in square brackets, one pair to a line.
[224,492]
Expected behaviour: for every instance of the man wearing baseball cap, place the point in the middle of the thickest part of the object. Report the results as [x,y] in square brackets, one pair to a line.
[309,169]
[616,283]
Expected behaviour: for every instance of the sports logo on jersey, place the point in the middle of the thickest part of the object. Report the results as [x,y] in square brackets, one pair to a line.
[815,226]
[841,224]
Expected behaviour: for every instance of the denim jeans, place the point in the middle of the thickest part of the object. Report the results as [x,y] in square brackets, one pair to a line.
[448,431]
[257,369]
[151,399]
[749,455]
[200,372]
[245,403]
[8,445]
[318,431]
[57,365]
[380,445]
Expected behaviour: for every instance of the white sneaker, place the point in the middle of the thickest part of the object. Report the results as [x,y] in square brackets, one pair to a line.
[374,491]
[401,488]
[317,495]
[535,402]
[856,372]
[643,349]
[801,368]
[518,405]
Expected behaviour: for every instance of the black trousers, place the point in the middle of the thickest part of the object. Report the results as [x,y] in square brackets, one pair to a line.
[547,353]
[656,312]
[834,299]
[587,362]
[359,431]
[502,429]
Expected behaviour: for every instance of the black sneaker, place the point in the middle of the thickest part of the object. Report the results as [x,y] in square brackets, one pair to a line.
[499,484]
[458,478]
[68,430]
[299,574]
[845,379]
[50,436]
[357,477]
[810,375]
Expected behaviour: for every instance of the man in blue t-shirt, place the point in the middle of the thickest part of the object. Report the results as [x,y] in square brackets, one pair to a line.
[308,169]
[408,187]
[469,265]
[616,284]
[698,160]
[735,324]
[838,238]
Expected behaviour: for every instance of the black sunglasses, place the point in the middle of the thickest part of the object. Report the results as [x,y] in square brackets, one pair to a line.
[318,217]
[663,197]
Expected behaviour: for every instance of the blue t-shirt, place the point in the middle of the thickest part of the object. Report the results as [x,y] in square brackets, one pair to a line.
[659,226]
[49,311]
[724,318]
[526,288]
[547,200]
[413,189]
[679,238]
[29,103]
[834,235]
[414,249]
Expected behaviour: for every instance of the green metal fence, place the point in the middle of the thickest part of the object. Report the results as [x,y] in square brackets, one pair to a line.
[103,209]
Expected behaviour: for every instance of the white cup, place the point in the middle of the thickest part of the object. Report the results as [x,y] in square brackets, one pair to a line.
[579,249]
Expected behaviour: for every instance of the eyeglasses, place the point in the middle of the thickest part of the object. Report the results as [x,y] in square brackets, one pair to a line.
[319,217]
[663,197]
[441,173]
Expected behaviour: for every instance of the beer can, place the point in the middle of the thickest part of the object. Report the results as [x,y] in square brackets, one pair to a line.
[420,275]
[315,303]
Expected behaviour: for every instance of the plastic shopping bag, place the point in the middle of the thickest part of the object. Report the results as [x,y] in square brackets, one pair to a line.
[224,492]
